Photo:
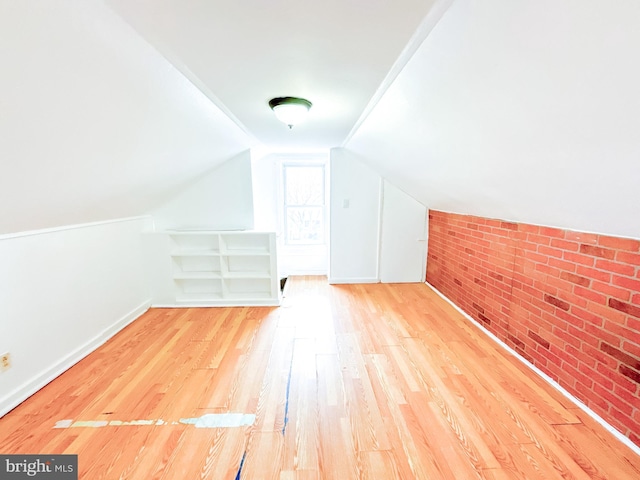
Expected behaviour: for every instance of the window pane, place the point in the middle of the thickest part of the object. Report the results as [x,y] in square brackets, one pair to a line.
[304,185]
[305,225]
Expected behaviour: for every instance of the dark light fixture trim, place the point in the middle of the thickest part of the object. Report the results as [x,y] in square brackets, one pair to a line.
[274,102]
[290,110]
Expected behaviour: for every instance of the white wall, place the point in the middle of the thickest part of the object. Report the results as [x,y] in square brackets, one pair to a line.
[354,225]
[403,237]
[63,292]
[265,169]
[95,123]
[221,199]
[527,111]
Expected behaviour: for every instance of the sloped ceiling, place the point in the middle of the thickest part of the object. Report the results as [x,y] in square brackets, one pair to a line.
[94,123]
[519,110]
[335,53]
[109,107]
[526,111]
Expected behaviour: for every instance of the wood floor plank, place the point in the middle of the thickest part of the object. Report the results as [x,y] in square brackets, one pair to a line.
[350,381]
[589,444]
[273,395]
[152,460]
[264,445]
[392,401]
[337,454]
[378,464]
[423,446]
[302,432]
[132,443]
[226,453]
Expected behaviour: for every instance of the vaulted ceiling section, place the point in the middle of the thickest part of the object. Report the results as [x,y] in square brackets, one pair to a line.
[522,110]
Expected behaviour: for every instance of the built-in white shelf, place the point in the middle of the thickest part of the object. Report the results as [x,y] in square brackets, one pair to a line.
[185,252]
[212,268]
[196,275]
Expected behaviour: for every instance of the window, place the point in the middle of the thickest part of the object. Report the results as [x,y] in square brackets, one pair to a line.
[304,204]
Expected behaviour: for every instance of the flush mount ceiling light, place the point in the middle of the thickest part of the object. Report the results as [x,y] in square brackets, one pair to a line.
[290,110]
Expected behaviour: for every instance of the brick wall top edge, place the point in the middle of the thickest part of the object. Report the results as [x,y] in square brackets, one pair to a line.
[586,234]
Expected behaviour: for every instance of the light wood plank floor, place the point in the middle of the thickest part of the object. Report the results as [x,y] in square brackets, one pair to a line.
[345,382]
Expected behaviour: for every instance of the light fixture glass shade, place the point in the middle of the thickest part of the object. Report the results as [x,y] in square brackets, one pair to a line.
[290,110]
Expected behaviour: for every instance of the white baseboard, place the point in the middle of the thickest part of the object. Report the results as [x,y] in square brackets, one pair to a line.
[20,394]
[543,375]
[336,281]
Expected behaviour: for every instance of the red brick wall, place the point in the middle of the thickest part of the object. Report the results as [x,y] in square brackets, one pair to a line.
[568,302]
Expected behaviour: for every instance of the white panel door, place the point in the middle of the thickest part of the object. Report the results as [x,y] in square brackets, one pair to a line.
[403,237]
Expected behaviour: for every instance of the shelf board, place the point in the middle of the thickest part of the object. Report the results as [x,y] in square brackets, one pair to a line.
[248,296]
[199,297]
[182,233]
[246,275]
[190,252]
[197,276]
[246,252]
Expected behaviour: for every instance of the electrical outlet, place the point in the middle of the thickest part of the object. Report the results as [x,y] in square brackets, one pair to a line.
[5,362]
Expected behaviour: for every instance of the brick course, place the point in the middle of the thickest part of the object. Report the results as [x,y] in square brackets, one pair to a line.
[568,302]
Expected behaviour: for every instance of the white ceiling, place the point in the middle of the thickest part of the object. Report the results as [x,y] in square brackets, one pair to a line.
[527,111]
[110,107]
[335,53]
[95,124]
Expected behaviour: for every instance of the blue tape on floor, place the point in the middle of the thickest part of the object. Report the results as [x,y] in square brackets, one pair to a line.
[286,405]
[244,455]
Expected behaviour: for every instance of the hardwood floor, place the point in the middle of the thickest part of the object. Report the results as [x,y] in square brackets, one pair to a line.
[345,382]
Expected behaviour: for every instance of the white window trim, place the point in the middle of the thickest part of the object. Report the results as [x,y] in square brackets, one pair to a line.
[302,160]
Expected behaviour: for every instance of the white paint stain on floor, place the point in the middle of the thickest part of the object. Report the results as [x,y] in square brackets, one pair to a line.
[210,420]
[221,420]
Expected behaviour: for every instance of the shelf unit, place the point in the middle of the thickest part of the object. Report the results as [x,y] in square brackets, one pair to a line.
[216,268]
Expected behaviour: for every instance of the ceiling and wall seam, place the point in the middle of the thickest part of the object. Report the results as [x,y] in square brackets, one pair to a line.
[426,27]
[165,51]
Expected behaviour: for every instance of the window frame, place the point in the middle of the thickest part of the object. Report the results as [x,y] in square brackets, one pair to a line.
[286,206]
